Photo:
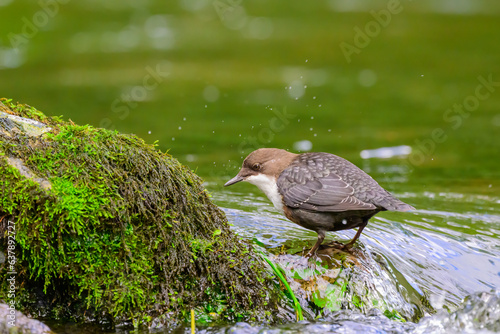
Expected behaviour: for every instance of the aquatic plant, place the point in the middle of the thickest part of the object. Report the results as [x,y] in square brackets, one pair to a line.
[282,279]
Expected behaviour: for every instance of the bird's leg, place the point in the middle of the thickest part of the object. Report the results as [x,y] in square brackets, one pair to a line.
[360,229]
[321,237]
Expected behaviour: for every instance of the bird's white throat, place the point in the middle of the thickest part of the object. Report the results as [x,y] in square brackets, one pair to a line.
[268,185]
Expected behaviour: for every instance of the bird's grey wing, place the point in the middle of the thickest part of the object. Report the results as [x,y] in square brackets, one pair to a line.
[307,189]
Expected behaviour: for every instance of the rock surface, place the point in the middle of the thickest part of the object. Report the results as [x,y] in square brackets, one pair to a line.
[109,229]
[12,321]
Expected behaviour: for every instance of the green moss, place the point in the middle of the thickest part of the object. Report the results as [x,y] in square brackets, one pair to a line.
[125,232]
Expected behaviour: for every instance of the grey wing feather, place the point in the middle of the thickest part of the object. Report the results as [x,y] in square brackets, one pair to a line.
[303,189]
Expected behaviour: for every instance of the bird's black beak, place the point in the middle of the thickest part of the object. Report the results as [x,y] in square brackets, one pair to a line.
[234,180]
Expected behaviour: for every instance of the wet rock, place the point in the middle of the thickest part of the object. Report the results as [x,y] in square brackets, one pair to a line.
[357,280]
[11,125]
[12,321]
[479,313]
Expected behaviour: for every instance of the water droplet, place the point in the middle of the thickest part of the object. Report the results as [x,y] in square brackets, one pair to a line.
[211,93]
[367,78]
[180,127]
[296,89]
[312,117]
[173,138]
[314,97]
[310,129]
[303,145]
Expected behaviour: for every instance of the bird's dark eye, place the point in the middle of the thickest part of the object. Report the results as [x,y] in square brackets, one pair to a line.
[256,166]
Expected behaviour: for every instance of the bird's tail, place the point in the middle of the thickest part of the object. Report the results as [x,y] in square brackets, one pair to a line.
[397,205]
[391,203]
[401,206]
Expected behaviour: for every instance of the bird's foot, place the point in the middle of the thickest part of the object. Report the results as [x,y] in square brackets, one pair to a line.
[336,244]
[324,248]
[340,246]
[309,254]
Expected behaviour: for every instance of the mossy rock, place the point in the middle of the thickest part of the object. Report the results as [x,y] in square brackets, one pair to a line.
[108,228]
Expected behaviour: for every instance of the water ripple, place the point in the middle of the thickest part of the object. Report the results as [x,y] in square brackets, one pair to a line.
[445,253]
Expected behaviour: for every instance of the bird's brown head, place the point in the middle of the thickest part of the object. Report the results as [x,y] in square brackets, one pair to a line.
[267,161]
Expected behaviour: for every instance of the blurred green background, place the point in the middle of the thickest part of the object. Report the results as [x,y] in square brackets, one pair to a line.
[207,79]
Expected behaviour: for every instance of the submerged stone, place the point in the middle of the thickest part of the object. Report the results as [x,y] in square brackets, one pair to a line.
[107,228]
[357,280]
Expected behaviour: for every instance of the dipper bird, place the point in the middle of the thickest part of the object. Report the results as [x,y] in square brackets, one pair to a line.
[319,191]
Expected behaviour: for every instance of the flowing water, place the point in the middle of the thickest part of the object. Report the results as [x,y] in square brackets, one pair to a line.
[439,264]
[443,254]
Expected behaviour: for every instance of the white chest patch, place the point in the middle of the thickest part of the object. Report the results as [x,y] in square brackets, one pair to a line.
[268,186]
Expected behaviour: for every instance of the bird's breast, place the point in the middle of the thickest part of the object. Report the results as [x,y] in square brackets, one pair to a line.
[267,184]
